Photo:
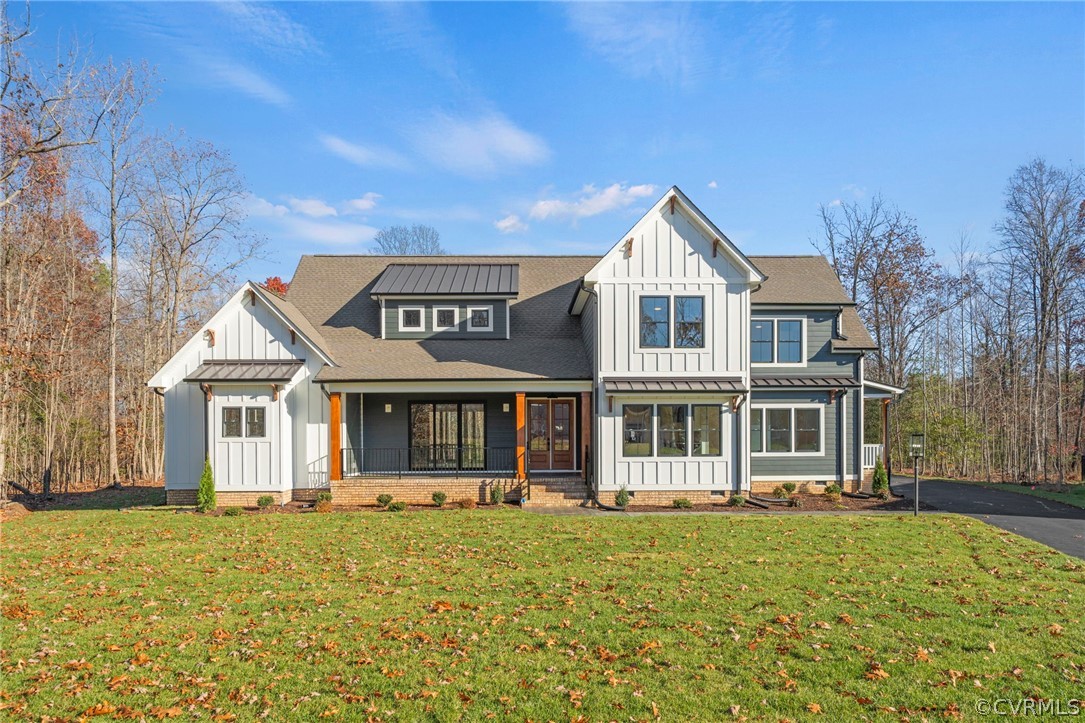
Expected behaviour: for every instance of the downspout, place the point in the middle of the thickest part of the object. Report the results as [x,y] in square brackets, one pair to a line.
[206,420]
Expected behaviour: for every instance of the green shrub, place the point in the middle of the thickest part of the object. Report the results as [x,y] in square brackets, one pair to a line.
[497,495]
[682,503]
[205,495]
[324,496]
[881,480]
[789,487]
[399,506]
[621,499]
[265,501]
[384,500]
[833,491]
[737,501]
[323,505]
[439,498]
[232,512]
[779,492]
[794,501]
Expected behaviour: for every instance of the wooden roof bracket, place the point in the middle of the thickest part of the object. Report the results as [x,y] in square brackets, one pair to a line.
[252,296]
[209,334]
[715,246]
[672,204]
[274,392]
[737,401]
[206,389]
[629,246]
[293,337]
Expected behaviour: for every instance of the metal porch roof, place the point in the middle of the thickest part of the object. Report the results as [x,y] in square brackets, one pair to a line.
[242,371]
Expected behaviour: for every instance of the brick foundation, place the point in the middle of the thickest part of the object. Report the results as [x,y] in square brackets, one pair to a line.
[224,499]
[666,498]
[419,490]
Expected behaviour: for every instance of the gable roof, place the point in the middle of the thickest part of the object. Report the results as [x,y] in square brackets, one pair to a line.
[806,280]
[454,279]
[334,293]
[295,319]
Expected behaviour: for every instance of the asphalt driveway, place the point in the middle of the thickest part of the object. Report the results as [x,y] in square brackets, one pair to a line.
[1051,523]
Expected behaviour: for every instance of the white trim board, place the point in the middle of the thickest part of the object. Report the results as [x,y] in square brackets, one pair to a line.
[436,385]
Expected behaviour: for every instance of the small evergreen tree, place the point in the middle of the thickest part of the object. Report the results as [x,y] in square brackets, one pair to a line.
[205,495]
[880,485]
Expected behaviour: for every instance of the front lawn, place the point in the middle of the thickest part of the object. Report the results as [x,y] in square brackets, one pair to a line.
[513,615]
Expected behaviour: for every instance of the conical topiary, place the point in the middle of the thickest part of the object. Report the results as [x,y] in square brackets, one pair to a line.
[205,495]
[880,484]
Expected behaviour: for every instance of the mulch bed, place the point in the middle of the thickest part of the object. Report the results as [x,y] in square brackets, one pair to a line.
[810,503]
[293,508]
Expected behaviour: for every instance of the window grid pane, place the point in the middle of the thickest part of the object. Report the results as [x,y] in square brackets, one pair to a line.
[756,430]
[807,430]
[654,322]
[412,318]
[480,318]
[790,346]
[689,322]
[637,430]
[761,342]
[672,430]
[231,422]
[254,422]
[779,427]
[707,430]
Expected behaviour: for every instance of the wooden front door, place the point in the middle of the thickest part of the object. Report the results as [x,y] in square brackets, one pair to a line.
[550,440]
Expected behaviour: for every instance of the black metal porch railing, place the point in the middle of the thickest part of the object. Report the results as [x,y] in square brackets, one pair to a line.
[429,460]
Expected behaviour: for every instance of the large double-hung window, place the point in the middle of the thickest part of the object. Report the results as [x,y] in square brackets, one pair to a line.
[777,341]
[672,430]
[786,430]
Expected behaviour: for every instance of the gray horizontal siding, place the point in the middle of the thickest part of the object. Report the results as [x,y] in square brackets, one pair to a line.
[391,320]
[390,430]
[820,360]
[800,465]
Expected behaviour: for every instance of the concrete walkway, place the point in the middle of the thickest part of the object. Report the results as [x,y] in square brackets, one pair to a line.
[1051,523]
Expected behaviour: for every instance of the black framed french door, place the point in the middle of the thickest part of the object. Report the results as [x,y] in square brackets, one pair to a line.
[447,435]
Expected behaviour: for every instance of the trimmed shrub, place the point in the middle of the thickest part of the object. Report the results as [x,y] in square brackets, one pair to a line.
[265,501]
[621,499]
[833,491]
[682,503]
[205,495]
[794,501]
[324,496]
[880,484]
[399,506]
[384,500]
[232,512]
[780,493]
[497,495]
[737,501]
[789,487]
[323,506]
[468,504]
[439,498]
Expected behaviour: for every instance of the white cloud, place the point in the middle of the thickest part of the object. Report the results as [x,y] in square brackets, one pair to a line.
[262,208]
[311,207]
[364,156]
[268,27]
[713,184]
[478,147]
[329,232]
[360,205]
[229,74]
[591,202]
[510,224]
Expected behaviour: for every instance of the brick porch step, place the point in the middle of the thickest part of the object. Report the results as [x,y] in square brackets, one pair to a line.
[563,492]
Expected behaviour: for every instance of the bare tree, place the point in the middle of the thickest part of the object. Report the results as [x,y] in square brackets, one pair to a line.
[417,240]
[115,164]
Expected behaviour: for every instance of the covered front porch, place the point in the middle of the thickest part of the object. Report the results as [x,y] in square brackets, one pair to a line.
[453,431]
[884,395]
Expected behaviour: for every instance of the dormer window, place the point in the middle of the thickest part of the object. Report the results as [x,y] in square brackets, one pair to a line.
[410,318]
[445,318]
[480,318]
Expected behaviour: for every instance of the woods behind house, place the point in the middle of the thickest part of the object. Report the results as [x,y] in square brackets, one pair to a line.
[119,239]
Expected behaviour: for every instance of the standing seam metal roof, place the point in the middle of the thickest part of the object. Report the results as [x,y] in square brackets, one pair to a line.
[411,279]
[245,370]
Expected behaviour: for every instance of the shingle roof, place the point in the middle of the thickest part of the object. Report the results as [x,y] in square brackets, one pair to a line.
[726,385]
[245,370]
[301,324]
[456,279]
[858,337]
[798,280]
[334,293]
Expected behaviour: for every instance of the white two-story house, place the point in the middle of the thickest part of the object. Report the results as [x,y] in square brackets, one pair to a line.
[675,366]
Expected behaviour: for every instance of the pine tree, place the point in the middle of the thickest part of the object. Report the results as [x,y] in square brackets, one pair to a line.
[205,496]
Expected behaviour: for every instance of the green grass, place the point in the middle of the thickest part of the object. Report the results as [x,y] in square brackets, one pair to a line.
[473,614]
[1073,496]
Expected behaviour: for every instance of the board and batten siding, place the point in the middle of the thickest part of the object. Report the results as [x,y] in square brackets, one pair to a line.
[498,319]
[242,331]
[243,464]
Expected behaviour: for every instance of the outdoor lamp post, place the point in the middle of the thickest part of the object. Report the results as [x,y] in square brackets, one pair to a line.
[917,444]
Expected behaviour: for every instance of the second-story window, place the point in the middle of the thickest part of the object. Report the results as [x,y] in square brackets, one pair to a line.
[776,341]
[761,338]
[689,322]
[789,348]
[654,322]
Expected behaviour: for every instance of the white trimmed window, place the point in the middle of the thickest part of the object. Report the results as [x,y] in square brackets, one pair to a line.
[445,317]
[672,430]
[411,318]
[787,430]
[480,318]
[779,342]
[251,419]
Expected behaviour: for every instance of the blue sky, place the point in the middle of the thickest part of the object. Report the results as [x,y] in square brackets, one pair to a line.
[549,128]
